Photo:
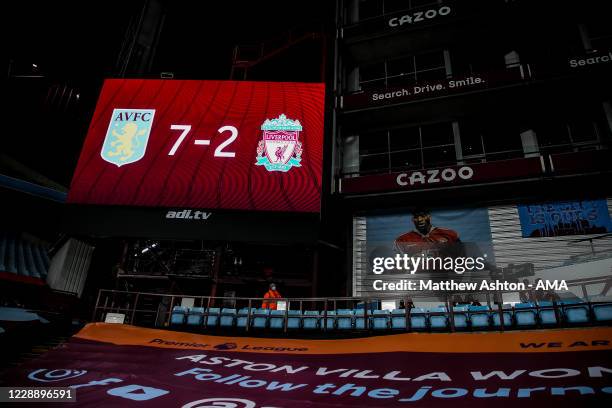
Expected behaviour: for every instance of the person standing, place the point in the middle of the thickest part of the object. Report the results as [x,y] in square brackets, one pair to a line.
[272,293]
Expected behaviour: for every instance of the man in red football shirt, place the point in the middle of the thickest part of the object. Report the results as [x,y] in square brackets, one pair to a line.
[426,239]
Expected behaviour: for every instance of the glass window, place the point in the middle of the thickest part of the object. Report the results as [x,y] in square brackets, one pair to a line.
[471,139]
[370,8]
[600,34]
[372,71]
[401,80]
[502,141]
[437,134]
[400,66]
[410,159]
[439,156]
[375,84]
[373,142]
[405,138]
[374,162]
[582,131]
[396,5]
[552,134]
[429,60]
[460,62]
[432,75]
[421,3]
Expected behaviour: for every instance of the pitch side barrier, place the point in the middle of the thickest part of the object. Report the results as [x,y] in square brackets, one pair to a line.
[365,315]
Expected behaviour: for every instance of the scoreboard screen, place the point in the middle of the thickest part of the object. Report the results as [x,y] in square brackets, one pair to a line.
[237,145]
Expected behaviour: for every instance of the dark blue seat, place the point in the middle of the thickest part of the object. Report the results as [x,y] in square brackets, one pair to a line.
[277,319]
[360,318]
[243,316]
[506,313]
[344,319]
[228,317]
[380,319]
[525,314]
[575,313]
[330,321]
[194,317]
[602,312]
[260,318]
[310,320]
[460,317]
[398,319]
[479,317]
[294,319]
[179,314]
[547,315]
[213,317]
[438,318]
[418,319]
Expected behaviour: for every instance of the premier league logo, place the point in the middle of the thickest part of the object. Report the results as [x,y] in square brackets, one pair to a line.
[127,136]
[280,148]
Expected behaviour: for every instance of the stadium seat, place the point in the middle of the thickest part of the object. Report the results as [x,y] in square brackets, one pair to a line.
[213,317]
[547,315]
[575,313]
[260,318]
[277,319]
[194,317]
[398,319]
[294,319]
[479,316]
[330,321]
[418,319]
[438,319]
[460,317]
[507,316]
[360,318]
[380,319]
[228,316]
[178,315]
[602,312]
[310,320]
[344,319]
[243,316]
[525,314]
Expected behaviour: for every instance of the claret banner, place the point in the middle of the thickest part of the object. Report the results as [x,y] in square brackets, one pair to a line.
[236,145]
[111,365]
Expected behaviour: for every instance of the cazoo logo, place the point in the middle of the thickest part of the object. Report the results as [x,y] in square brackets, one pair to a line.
[434,176]
[419,16]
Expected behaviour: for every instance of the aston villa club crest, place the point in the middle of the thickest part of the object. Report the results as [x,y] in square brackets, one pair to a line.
[127,136]
[280,148]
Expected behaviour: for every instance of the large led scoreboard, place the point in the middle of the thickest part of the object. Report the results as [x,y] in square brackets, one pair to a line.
[216,145]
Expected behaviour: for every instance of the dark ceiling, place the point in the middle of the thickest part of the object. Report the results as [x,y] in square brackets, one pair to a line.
[58,53]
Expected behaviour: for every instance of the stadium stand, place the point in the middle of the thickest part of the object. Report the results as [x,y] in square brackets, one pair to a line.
[23,259]
[442,318]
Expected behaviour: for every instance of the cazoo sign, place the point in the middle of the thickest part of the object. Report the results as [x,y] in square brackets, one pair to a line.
[416,17]
[444,177]
[434,176]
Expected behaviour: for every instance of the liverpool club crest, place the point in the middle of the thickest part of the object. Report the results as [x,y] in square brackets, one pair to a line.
[280,148]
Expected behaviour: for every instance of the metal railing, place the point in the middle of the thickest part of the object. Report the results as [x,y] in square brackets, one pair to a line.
[131,305]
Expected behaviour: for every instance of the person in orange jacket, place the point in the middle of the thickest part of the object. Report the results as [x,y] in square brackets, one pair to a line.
[272,293]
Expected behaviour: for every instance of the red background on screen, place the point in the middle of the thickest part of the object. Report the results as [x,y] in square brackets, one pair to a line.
[193,177]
